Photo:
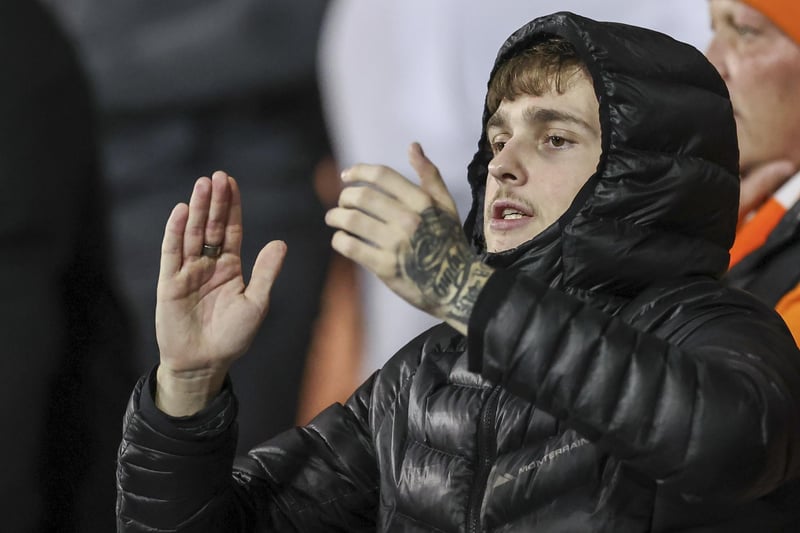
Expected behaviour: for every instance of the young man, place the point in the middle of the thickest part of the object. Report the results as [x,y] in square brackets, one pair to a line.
[593,374]
[756,48]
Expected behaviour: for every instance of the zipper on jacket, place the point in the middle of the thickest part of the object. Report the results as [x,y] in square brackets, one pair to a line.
[487,448]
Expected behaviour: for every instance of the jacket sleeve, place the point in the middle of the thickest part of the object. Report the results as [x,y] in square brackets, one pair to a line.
[178,474]
[708,409]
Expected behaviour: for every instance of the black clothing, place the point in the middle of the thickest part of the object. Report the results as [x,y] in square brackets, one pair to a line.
[609,381]
[65,364]
[187,87]
[770,271]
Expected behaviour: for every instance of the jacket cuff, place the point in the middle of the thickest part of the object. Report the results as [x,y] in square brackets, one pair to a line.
[490,299]
[212,422]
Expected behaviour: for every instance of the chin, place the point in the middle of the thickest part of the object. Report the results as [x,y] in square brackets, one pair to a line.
[500,246]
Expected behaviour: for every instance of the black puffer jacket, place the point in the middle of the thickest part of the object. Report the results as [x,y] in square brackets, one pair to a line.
[608,383]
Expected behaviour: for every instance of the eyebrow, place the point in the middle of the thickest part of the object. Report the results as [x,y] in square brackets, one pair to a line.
[540,115]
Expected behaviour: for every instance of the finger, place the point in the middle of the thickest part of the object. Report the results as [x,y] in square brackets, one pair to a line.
[195,231]
[389,182]
[218,210]
[761,183]
[382,263]
[172,244]
[430,178]
[363,226]
[266,269]
[377,204]
[232,242]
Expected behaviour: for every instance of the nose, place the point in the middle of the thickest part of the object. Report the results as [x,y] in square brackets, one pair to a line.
[506,166]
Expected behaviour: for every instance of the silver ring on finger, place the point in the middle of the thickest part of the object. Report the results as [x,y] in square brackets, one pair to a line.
[211,250]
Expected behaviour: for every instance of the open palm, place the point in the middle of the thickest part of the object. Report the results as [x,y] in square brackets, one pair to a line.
[206,317]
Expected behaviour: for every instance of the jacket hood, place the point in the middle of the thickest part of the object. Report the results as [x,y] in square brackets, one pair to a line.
[663,201]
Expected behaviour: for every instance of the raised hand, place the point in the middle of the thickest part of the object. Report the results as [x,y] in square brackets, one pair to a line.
[410,237]
[760,183]
[205,315]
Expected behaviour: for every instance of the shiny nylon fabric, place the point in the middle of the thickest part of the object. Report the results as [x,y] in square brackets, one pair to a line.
[669,145]
[623,402]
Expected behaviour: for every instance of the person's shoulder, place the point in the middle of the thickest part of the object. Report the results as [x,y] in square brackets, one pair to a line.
[440,343]
[438,339]
[678,308]
[700,292]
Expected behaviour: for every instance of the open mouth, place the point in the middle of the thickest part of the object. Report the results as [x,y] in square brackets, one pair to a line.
[509,210]
[510,214]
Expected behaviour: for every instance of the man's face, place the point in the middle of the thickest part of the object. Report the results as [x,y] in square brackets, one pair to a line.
[545,149]
[761,67]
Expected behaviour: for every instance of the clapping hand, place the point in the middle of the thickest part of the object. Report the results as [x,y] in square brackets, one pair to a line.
[760,183]
[206,317]
[410,236]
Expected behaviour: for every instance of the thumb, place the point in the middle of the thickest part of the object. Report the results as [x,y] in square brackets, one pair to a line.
[430,179]
[267,267]
[760,183]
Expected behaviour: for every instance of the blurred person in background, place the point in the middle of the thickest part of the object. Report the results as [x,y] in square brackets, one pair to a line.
[190,85]
[756,48]
[396,72]
[65,363]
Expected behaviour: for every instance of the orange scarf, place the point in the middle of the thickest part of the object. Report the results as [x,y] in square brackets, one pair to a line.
[753,232]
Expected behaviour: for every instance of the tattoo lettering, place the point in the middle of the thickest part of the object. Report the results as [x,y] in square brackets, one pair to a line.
[438,259]
[465,301]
